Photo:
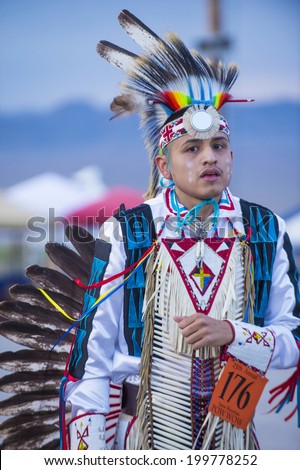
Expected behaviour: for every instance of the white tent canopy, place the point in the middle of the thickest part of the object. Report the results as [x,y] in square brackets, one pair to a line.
[12,214]
[50,190]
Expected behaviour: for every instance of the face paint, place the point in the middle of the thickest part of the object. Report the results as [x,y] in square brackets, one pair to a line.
[228,167]
[190,165]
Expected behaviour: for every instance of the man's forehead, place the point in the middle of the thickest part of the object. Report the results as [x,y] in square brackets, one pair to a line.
[192,140]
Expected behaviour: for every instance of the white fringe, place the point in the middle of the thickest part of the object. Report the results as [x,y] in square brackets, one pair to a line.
[232,437]
[180,303]
[171,359]
[170,385]
[133,441]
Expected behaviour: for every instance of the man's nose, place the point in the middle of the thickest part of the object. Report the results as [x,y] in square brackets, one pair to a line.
[209,156]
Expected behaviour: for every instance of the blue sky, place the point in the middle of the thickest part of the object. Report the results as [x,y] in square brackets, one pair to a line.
[48,48]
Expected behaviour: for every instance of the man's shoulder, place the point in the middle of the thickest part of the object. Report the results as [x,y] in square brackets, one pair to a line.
[265,224]
[248,205]
[123,212]
[143,208]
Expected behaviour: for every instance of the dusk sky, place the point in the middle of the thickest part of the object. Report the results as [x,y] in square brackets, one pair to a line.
[48,48]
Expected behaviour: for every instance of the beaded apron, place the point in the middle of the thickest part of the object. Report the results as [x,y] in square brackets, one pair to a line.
[177,382]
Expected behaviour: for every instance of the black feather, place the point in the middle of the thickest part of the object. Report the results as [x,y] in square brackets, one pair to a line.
[126,19]
[30,402]
[35,337]
[29,320]
[115,55]
[54,280]
[82,241]
[30,295]
[14,431]
[30,360]
[22,420]
[68,261]
[33,315]
[36,438]
[21,382]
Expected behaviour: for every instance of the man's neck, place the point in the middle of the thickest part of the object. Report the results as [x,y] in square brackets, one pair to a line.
[190,203]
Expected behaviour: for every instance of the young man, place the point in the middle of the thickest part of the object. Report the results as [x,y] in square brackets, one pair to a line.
[193,294]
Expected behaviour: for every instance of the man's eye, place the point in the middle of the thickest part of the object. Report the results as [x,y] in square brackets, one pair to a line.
[192,149]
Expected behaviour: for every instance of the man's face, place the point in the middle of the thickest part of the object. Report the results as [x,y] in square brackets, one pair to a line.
[200,169]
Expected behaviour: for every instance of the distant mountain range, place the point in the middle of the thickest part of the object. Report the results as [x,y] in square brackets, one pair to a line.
[265,140]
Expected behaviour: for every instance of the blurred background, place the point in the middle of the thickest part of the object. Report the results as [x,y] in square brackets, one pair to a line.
[63,159]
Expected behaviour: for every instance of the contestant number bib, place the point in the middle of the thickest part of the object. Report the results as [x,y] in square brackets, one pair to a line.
[237,393]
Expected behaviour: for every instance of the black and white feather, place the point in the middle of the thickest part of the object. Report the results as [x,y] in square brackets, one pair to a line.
[30,416]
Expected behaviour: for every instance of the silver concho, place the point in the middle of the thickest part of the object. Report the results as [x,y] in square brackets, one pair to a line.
[200,121]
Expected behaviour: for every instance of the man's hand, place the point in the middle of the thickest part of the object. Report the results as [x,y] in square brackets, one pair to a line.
[200,330]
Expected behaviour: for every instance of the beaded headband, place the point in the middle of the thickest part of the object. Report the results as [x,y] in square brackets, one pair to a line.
[201,122]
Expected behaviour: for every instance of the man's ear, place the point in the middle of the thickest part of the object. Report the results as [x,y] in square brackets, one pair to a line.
[162,165]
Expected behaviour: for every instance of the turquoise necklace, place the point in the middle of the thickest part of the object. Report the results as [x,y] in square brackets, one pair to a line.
[193,213]
[189,218]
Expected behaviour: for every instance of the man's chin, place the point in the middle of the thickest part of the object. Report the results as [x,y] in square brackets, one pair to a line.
[216,194]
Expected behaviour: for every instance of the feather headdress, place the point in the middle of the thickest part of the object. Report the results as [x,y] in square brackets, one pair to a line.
[166,78]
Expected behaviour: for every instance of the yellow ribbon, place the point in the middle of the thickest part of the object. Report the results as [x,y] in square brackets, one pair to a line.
[61,310]
[55,304]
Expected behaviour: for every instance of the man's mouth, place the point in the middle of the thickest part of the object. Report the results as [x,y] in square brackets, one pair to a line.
[210,174]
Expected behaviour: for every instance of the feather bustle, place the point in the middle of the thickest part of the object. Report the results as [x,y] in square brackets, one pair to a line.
[33,315]
[68,261]
[37,438]
[54,280]
[30,321]
[30,295]
[34,337]
[28,360]
[20,382]
[29,402]
[82,240]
